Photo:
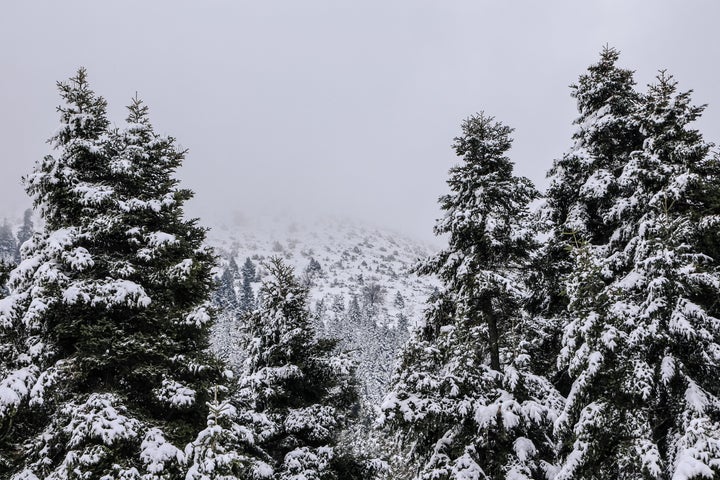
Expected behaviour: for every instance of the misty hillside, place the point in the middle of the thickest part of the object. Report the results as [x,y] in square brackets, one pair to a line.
[361,289]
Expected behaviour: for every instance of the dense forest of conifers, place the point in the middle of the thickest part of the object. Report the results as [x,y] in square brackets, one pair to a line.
[574,340]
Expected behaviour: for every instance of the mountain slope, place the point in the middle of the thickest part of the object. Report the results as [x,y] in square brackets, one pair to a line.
[361,288]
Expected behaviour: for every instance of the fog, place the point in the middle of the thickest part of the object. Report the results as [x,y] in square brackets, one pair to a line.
[335,107]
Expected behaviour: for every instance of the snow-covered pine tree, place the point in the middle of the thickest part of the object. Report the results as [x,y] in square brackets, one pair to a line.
[225,295]
[24,232]
[583,188]
[8,253]
[104,370]
[247,298]
[464,403]
[226,334]
[31,359]
[8,246]
[297,382]
[353,313]
[220,451]
[583,184]
[643,348]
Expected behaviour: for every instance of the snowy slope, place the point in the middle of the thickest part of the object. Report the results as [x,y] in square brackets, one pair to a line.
[360,265]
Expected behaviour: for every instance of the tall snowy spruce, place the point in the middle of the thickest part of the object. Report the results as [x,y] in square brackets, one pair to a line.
[583,188]
[643,348]
[464,403]
[300,391]
[104,370]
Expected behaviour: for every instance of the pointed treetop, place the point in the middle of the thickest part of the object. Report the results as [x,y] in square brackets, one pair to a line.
[665,115]
[662,96]
[138,112]
[604,83]
[609,55]
[232,264]
[84,113]
[482,137]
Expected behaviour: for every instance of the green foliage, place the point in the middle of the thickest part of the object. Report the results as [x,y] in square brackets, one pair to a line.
[104,335]
[641,342]
[463,401]
[247,297]
[298,384]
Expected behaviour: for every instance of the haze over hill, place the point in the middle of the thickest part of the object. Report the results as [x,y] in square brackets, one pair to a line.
[335,107]
[362,290]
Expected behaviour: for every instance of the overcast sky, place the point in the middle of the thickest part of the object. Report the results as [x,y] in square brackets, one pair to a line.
[335,106]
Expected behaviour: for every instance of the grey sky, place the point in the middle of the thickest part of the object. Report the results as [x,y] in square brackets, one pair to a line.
[335,106]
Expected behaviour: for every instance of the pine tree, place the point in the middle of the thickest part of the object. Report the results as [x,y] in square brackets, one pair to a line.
[226,334]
[8,258]
[354,313]
[25,232]
[218,453]
[296,381]
[643,348]
[402,324]
[247,298]
[8,246]
[105,371]
[312,271]
[225,295]
[463,401]
[583,189]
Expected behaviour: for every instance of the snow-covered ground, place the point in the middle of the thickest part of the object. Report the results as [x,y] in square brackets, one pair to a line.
[351,255]
[367,266]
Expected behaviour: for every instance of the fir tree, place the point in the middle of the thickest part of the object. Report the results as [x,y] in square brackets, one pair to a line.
[218,451]
[8,255]
[8,247]
[643,348]
[354,313]
[312,271]
[105,371]
[25,232]
[304,390]
[226,330]
[583,189]
[463,401]
[247,297]
[225,296]
[399,301]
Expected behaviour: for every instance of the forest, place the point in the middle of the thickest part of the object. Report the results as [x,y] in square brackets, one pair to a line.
[574,334]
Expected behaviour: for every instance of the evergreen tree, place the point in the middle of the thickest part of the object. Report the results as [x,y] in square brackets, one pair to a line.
[226,333]
[247,298]
[105,371]
[399,301]
[225,296]
[25,232]
[354,313]
[643,348]
[218,451]
[402,324]
[583,189]
[8,250]
[304,390]
[7,243]
[464,401]
[312,271]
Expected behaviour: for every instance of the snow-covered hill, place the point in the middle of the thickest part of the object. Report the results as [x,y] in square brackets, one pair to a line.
[361,288]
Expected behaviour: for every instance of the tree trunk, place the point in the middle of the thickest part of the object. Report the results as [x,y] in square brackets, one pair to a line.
[494,340]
